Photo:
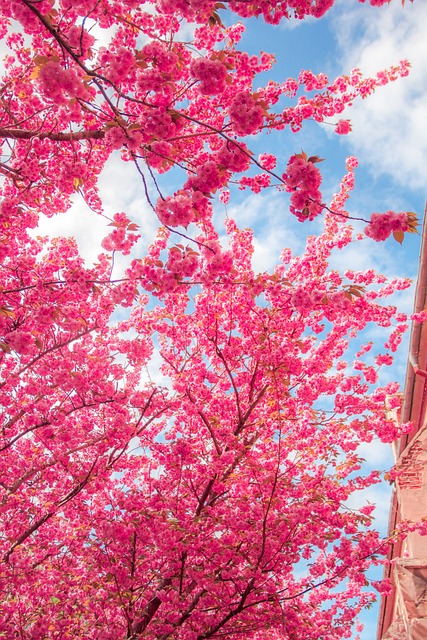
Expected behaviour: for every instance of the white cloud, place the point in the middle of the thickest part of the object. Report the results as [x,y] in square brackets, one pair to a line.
[294,23]
[80,223]
[274,227]
[120,190]
[378,455]
[379,495]
[389,132]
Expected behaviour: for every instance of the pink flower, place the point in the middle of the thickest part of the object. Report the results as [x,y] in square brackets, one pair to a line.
[234,157]
[209,177]
[343,127]
[267,161]
[59,84]
[212,75]
[120,239]
[419,317]
[385,358]
[303,178]
[175,210]
[246,115]
[383,224]
[20,341]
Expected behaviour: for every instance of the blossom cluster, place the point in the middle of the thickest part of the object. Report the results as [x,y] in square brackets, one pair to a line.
[182,261]
[303,179]
[208,177]
[212,75]
[118,64]
[382,225]
[120,239]
[233,156]
[175,210]
[246,114]
[80,40]
[343,127]
[20,341]
[59,84]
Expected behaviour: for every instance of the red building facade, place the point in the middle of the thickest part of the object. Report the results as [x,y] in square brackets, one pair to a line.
[403,614]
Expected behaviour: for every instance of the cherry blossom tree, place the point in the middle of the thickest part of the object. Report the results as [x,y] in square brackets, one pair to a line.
[213,503]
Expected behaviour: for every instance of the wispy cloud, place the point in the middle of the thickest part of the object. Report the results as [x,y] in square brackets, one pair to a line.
[389,132]
[121,190]
[275,228]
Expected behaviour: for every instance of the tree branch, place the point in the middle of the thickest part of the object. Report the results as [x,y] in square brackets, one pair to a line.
[71,136]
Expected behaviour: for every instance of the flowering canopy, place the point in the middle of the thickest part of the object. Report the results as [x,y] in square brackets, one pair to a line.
[213,505]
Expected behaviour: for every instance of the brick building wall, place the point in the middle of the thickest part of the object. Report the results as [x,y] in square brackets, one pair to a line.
[403,614]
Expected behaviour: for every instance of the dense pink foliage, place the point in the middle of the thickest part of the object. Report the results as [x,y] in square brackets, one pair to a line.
[210,501]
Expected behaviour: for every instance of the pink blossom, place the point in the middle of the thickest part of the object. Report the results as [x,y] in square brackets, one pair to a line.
[212,75]
[267,161]
[385,358]
[246,115]
[57,83]
[419,317]
[343,127]
[303,179]
[383,224]
[20,341]
[175,210]
[234,157]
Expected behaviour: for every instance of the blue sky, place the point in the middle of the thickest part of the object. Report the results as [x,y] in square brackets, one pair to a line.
[389,137]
